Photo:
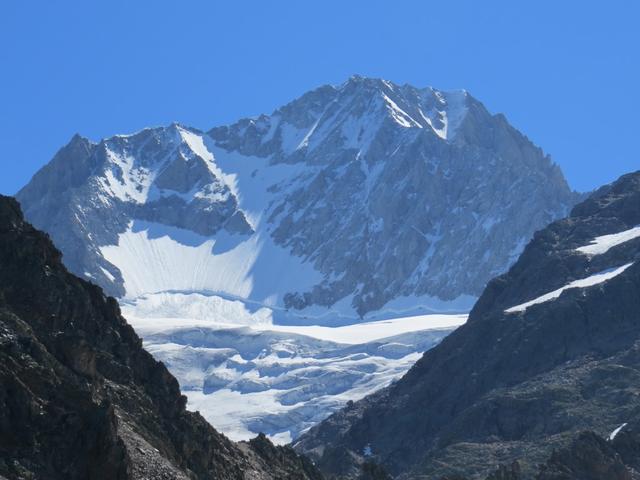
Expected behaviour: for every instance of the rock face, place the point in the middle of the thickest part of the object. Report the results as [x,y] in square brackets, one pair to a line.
[589,457]
[424,192]
[349,198]
[550,349]
[79,396]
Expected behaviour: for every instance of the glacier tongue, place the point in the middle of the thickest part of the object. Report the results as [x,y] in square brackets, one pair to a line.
[246,375]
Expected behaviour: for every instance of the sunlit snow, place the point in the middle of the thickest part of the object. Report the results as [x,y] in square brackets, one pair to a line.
[582,283]
[604,243]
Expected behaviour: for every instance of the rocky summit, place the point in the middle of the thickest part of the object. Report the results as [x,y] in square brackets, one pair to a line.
[352,199]
[551,349]
[79,396]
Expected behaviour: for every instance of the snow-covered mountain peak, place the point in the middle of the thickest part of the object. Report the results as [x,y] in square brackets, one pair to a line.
[355,196]
[352,116]
[155,163]
[410,107]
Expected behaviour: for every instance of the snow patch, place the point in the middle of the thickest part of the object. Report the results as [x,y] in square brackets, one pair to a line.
[604,243]
[595,279]
[401,117]
[107,274]
[616,431]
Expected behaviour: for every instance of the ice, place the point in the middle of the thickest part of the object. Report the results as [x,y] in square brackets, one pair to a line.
[441,132]
[121,182]
[250,179]
[294,138]
[167,310]
[582,283]
[107,274]
[280,380]
[604,243]
[196,144]
[154,258]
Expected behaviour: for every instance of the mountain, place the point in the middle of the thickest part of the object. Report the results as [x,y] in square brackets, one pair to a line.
[550,349]
[79,396]
[282,380]
[352,200]
[353,203]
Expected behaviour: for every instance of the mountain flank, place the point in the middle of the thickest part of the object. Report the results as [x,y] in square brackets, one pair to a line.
[79,396]
[551,349]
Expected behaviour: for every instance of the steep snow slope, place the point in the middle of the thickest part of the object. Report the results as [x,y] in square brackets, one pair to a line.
[589,281]
[604,243]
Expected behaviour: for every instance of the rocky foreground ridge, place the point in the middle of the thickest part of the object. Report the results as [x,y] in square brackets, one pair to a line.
[79,396]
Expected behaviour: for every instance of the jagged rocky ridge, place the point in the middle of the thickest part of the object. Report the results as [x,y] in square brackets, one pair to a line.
[533,366]
[79,396]
[349,198]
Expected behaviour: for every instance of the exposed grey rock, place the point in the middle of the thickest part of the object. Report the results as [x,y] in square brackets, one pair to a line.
[420,191]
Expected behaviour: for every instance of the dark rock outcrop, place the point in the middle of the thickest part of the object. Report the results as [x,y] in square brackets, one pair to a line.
[514,385]
[79,396]
[589,457]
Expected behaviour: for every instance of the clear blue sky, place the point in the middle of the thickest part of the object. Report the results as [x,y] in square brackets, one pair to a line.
[567,74]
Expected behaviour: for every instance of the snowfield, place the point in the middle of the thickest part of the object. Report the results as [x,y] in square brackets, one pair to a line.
[246,375]
[158,258]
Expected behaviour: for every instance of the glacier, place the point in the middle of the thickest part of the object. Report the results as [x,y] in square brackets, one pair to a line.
[246,375]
